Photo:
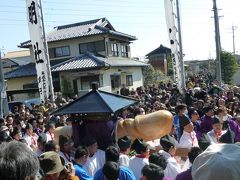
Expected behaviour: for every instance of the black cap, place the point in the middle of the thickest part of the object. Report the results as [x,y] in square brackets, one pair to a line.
[167,142]
[88,141]
[124,142]
[183,121]
[207,108]
[139,146]
[215,120]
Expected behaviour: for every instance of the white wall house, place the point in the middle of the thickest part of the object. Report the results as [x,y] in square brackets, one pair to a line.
[86,52]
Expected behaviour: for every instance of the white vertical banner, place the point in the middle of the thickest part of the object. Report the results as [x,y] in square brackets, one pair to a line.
[36,36]
[170,16]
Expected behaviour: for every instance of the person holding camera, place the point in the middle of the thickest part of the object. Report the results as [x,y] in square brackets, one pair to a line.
[52,166]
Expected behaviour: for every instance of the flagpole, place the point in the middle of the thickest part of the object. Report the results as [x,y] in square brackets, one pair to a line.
[51,88]
[182,74]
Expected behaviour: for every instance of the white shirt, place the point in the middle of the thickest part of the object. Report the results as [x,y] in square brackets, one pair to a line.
[124,160]
[154,143]
[212,137]
[50,137]
[31,140]
[173,168]
[136,164]
[188,140]
[95,162]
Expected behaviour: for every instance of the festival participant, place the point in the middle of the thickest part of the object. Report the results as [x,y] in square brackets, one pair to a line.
[152,172]
[181,110]
[96,157]
[42,139]
[30,137]
[52,146]
[141,159]
[194,116]
[169,150]
[159,160]
[61,121]
[111,171]
[112,155]
[50,131]
[17,162]
[188,138]
[65,149]
[16,134]
[193,153]
[218,161]
[81,156]
[206,120]
[53,167]
[124,144]
[215,134]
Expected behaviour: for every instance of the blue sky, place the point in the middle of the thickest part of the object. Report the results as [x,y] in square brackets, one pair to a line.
[144,19]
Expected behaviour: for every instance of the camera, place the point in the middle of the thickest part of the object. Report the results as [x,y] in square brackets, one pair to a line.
[67,166]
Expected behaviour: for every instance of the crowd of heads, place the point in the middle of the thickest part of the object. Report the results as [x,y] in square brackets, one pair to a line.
[27,134]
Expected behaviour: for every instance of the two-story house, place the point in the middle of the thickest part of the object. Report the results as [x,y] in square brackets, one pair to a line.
[86,52]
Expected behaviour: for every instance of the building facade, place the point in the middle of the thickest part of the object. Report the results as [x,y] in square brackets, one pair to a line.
[86,52]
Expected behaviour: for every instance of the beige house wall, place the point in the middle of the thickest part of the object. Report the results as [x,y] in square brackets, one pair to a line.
[136,73]
[17,83]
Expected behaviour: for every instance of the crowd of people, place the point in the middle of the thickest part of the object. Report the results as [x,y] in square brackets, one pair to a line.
[206,121]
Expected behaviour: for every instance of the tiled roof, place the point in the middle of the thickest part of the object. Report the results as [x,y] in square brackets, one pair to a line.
[27,70]
[87,28]
[123,62]
[85,61]
[160,50]
[89,61]
[8,63]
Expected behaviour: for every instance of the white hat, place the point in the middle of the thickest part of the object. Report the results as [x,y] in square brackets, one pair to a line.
[218,162]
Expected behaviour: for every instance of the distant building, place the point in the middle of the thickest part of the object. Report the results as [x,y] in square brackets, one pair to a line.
[14,59]
[158,58]
[196,66]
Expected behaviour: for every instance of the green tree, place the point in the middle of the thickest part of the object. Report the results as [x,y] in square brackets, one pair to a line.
[152,76]
[148,75]
[228,66]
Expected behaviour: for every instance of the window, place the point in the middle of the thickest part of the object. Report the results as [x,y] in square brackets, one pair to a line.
[62,51]
[115,81]
[114,47]
[124,51]
[93,47]
[86,81]
[129,80]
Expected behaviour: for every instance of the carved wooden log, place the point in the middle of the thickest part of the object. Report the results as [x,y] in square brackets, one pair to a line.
[148,127]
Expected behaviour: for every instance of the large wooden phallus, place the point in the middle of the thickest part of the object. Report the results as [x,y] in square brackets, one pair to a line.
[148,127]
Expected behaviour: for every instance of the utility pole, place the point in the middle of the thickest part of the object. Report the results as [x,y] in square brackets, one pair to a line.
[182,74]
[47,56]
[218,43]
[3,94]
[233,33]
